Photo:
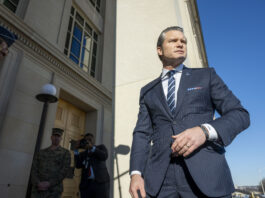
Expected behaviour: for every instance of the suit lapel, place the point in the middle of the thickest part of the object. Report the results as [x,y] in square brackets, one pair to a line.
[162,98]
[157,88]
[186,75]
[159,92]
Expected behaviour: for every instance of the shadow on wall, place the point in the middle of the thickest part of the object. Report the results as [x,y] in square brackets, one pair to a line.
[122,150]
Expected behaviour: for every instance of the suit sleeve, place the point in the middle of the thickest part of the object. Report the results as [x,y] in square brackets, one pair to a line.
[79,158]
[141,138]
[234,118]
[101,153]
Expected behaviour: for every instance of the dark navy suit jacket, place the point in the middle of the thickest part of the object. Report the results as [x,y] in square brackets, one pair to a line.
[201,92]
[97,160]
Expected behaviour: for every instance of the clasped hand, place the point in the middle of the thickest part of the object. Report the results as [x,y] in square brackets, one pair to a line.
[44,185]
[184,144]
[187,141]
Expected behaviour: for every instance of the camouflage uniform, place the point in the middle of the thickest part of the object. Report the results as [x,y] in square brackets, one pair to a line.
[52,166]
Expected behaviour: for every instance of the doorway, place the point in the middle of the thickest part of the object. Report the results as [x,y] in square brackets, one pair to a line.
[72,120]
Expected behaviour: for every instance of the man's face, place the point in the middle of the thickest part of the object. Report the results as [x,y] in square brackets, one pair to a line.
[56,139]
[90,139]
[174,47]
[3,50]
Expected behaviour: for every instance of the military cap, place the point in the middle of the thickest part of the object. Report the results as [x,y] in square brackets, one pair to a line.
[8,36]
[57,131]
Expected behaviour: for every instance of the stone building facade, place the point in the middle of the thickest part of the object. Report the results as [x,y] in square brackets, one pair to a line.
[70,44]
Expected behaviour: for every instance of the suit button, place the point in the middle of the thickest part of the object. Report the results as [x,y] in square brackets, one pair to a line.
[174,122]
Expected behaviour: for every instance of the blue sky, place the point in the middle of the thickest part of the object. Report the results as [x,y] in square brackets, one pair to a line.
[234,35]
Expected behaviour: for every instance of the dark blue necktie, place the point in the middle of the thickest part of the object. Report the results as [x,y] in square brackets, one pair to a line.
[171,91]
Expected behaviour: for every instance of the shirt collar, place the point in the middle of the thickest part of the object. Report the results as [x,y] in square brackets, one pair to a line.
[165,71]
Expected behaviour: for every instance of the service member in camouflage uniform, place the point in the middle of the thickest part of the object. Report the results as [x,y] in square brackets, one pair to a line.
[49,168]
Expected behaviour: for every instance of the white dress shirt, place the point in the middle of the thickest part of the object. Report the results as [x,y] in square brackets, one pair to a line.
[164,77]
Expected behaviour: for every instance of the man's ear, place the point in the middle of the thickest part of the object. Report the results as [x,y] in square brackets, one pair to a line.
[159,51]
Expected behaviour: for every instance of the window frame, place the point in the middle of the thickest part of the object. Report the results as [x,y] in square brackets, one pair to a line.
[12,3]
[97,5]
[89,67]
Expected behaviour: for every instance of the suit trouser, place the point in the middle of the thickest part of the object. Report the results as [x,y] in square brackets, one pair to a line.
[95,189]
[178,183]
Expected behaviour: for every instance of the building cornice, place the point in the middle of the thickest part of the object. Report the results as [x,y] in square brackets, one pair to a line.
[44,52]
[192,4]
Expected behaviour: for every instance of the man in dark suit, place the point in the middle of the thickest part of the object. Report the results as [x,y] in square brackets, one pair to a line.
[176,121]
[95,176]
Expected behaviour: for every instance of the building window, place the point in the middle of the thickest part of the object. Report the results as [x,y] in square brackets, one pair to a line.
[11,4]
[81,44]
[96,4]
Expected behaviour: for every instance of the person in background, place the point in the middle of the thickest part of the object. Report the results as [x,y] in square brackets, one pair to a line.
[95,176]
[49,168]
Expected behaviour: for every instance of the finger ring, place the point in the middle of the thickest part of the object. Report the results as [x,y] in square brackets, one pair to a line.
[188,145]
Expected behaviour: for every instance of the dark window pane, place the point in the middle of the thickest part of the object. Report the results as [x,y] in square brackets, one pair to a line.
[98,3]
[75,48]
[70,24]
[10,6]
[92,2]
[15,2]
[88,29]
[82,57]
[95,36]
[78,32]
[79,19]
[67,40]
[94,49]
[93,66]
[98,6]
[74,59]
[72,10]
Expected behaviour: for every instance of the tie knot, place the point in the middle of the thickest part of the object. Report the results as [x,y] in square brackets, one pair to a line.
[171,73]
